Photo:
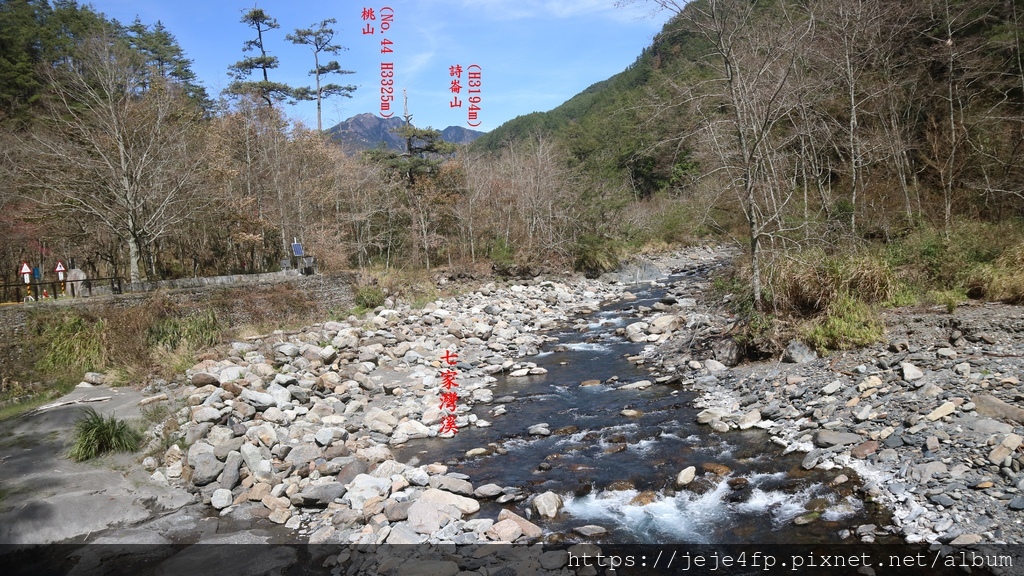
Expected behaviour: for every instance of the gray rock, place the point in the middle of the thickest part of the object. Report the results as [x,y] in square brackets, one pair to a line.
[685,476]
[911,372]
[749,419]
[319,495]
[547,504]
[230,476]
[714,365]
[798,353]
[404,534]
[258,400]
[206,414]
[221,498]
[812,459]
[830,438]
[364,487]
[301,455]
[727,351]
[206,468]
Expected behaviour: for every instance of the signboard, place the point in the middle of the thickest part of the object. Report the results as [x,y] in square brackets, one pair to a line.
[26,272]
[59,269]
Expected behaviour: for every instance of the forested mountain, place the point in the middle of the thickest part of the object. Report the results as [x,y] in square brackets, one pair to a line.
[804,125]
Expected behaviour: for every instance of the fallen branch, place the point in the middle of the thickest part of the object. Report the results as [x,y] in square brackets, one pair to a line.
[46,407]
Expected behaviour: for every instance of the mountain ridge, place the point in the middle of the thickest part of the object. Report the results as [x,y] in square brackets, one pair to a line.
[367,131]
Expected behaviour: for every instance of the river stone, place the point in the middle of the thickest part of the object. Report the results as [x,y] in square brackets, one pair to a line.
[319,495]
[428,517]
[530,530]
[221,498]
[539,430]
[685,476]
[830,438]
[924,472]
[944,410]
[301,455]
[461,503]
[812,458]
[714,366]
[258,400]
[911,372]
[547,504]
[749,419]
[230,476]
[230,374]
[864,449]
[1007,447]
[992,407]
[275,415]
[832,388]
[416,476]
[505,531]
[404,534]
[710,414]
[200,379]
[487,491]
[454,485]
[364,487]
[412,429]
[798,353]
[206,414]
[206,468]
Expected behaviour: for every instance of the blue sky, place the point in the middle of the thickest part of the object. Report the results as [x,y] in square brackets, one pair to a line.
[533,54]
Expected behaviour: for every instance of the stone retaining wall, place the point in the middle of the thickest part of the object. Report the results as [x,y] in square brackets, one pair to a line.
[323,293]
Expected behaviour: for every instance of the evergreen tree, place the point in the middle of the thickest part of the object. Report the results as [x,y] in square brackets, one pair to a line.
[165,58]
[267,91]
[20,53]
[319,41]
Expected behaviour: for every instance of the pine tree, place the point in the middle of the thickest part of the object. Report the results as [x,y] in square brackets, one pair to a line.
[319,41]
[267,91]
[165,58]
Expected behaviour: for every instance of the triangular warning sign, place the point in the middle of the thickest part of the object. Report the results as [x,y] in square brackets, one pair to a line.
[25,269]
[60,267]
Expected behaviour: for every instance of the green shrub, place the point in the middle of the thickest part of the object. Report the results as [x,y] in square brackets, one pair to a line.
[847,323]
[369,297]
[194,332]
[95,435]
[71,342]
[595,255]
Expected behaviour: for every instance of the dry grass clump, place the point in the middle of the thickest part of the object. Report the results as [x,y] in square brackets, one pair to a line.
[811,283]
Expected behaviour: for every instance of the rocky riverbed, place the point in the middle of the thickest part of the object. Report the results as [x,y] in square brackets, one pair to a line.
[299,430]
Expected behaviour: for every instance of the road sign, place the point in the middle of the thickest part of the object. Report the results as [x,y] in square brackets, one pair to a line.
[26,272]
[59,269]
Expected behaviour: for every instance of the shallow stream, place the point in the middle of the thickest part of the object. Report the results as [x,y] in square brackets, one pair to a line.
[619,472]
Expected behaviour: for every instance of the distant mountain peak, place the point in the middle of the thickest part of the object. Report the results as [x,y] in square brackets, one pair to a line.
[366,131]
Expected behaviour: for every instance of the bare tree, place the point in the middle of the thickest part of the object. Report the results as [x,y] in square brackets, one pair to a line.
[746,112]
[120,148]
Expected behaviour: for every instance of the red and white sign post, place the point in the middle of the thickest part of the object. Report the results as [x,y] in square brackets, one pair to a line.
[26,272]
[60,270]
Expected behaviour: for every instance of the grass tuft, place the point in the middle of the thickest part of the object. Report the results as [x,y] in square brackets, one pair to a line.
[848,323]
[95,434]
